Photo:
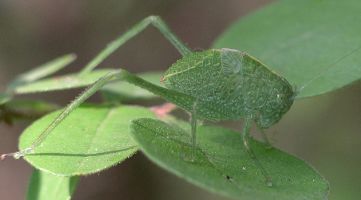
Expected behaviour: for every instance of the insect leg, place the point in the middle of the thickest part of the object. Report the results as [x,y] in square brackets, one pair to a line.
[156,21]
[181,100]
[245,137]
[265,138]
[68,109]
[193,120]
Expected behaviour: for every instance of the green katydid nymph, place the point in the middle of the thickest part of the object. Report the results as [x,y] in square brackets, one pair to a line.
[215,84]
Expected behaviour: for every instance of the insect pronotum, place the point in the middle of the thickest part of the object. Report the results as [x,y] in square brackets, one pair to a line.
[215,84]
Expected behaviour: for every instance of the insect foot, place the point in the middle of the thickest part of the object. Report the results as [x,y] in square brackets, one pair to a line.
[17,155]
[189,157]
[269,182]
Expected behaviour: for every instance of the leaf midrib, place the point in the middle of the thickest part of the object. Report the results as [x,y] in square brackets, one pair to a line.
[97,132]
[212,164]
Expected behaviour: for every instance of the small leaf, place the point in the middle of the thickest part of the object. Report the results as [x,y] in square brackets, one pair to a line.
[4,97]
[43,70]
[25,110]
[223,166]
[90,139]
[44,186]
[315,45]
[123,91]
[62,82]
[31,106]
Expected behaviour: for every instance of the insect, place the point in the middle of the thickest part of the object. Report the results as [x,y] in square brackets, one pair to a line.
[215,84]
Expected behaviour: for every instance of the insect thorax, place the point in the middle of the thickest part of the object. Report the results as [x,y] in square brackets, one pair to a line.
[229,85]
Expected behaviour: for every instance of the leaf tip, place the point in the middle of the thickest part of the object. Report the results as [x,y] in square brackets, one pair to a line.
[72,56]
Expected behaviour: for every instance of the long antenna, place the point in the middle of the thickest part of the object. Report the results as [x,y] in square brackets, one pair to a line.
[332,65]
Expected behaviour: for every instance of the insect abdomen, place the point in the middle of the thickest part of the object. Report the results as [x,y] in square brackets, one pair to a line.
[199,75]
[227,84]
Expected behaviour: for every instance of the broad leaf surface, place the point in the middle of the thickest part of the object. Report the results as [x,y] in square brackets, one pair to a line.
[123,91]
[62,82]
[315,45]
[45,186]
[223,166]
[90,139]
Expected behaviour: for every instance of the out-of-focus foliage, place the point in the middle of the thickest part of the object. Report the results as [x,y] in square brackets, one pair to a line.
[45,186]
[315,45]
[62,82]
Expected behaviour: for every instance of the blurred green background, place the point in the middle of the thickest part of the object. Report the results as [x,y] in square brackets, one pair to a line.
[325,131]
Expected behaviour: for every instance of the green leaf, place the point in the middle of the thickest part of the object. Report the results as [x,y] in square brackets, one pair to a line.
[44,186]
[43,70]
[90,139]
[223,166]
[4,97]
[62,82]
[25,110]
[123,91]
[314,44]
[31,106]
